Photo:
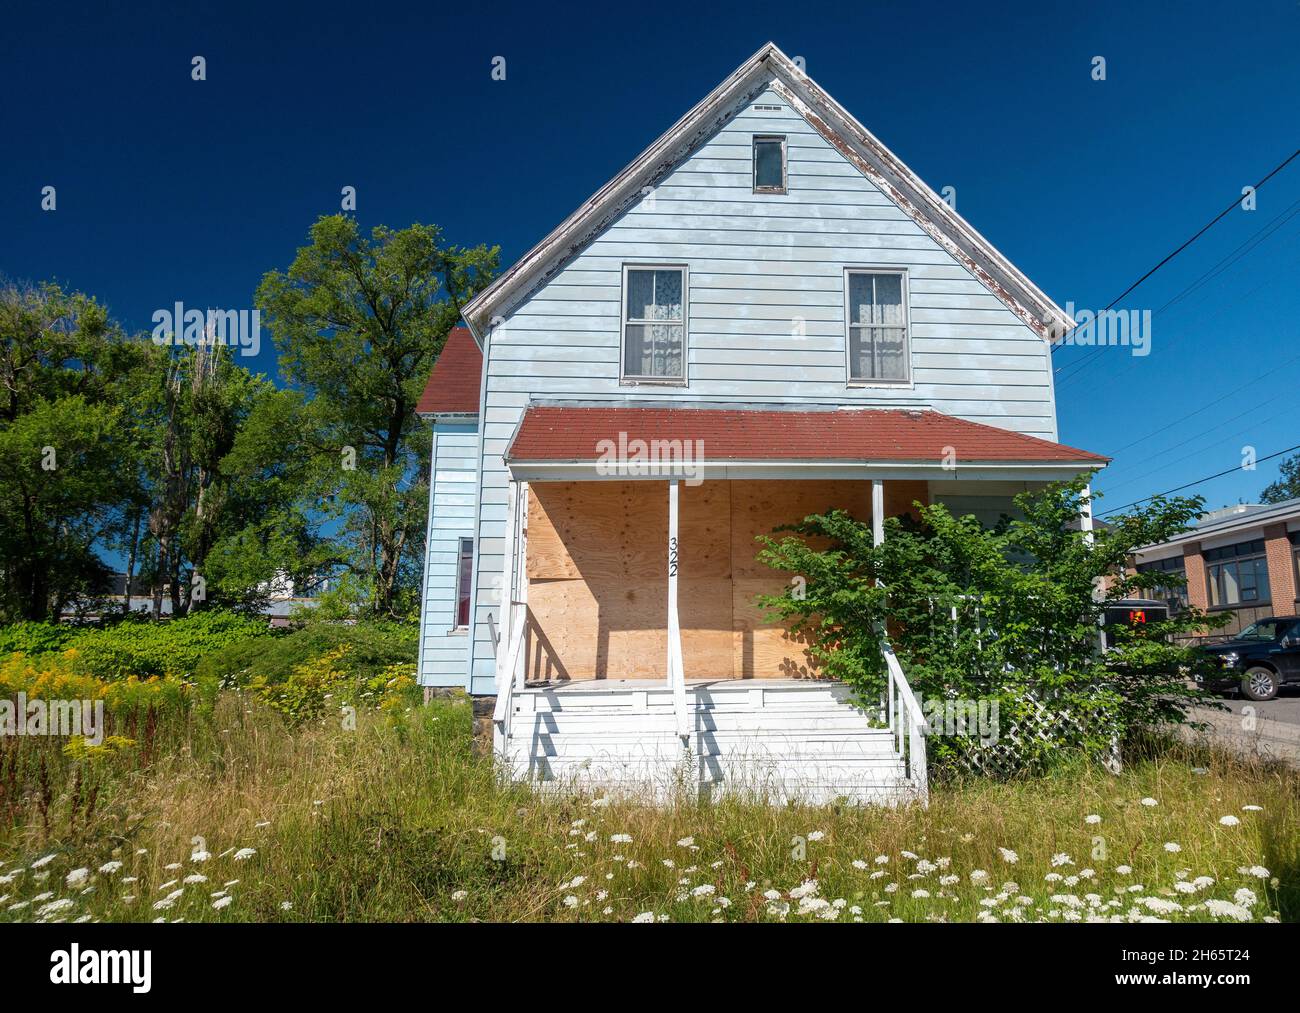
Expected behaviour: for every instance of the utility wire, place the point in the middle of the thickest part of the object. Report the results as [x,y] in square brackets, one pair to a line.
[1068,372]
[1204,229]
[1198,481]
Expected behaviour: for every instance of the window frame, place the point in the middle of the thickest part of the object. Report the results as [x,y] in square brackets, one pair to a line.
[1214,581]
[633,380]
[1174,595]
[906,382]
[784,188]
[467,589]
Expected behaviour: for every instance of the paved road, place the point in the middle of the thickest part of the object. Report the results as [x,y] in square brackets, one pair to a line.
[1284,707]
[1268,729]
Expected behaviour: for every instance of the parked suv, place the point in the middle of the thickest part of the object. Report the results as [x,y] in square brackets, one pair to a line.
[1261,658]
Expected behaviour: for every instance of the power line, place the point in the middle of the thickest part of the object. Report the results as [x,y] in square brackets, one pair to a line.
[1249,246]
[1204,229]
[1254,427]
[1236,390]
[1188,485]
[1066,373]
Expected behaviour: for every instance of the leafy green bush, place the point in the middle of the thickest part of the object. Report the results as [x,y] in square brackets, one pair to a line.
[144,648]
[371,648]
[36,638]
[332,682]
[1007,615]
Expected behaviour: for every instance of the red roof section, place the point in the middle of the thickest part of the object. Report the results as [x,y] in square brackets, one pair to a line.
[562,433]
[453,386]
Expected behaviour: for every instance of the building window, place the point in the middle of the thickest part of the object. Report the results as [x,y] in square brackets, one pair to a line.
[1237,574]
[654,324]
[1173,594]
[877,327]
[464,574]
[769,164]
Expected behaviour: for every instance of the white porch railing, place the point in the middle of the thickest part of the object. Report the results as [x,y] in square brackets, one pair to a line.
[906,722]
[510,673]
[676,668]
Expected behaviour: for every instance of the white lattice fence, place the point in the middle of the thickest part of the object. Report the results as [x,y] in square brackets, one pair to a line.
[1041,727]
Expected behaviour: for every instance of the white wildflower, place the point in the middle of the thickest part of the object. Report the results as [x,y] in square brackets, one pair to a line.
[1226,909]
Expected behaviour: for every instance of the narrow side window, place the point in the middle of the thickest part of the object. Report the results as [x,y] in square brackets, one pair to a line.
[464,573]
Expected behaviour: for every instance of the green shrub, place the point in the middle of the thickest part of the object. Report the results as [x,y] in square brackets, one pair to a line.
[372,648]
[36,638]
[144,648]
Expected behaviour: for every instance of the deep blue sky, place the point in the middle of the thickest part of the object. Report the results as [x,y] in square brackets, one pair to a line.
[173,189]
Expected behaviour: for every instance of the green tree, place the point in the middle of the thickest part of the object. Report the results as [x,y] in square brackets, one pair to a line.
[978,613]
[1287,485]
[359,322]
[224,480]
[66,456]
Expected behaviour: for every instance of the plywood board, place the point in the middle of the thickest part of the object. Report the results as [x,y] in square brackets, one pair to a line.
[597,530]
[598,583]
[758,507]
[764,649]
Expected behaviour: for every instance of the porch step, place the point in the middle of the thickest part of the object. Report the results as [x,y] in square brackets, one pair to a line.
[785,741]
[845,744]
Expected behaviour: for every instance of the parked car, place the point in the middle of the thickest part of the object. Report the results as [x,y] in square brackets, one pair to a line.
[1261,658]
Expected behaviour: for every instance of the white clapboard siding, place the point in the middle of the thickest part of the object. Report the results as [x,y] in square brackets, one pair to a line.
[765,311]
[782,741]
[444,654]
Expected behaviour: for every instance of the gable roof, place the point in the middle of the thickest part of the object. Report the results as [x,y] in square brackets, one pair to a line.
[770,67]
[454,384]
[560,433]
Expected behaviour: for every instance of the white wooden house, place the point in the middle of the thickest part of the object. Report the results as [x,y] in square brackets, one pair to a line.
[800,323]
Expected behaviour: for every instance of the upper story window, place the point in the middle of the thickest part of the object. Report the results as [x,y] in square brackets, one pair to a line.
[769,164]
[877,340]
[654,324]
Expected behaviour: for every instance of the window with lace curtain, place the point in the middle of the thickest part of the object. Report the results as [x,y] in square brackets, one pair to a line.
[877,339]
[654,324]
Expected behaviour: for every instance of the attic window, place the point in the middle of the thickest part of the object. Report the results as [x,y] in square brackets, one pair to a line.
[769,164]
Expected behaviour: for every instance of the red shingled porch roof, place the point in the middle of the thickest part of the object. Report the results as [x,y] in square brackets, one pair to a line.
[453,385]
[562,433]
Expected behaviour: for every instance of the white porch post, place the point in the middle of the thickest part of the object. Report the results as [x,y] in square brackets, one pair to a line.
[508,570]
[1085,516]
[676,672]
[520,590]
[877,511]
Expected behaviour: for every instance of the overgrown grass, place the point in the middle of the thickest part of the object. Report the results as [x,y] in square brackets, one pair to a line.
[395,820]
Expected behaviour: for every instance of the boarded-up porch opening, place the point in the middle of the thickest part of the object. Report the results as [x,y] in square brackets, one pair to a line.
[597,580]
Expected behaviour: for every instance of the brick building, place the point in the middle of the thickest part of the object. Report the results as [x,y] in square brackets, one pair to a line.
[1241,560]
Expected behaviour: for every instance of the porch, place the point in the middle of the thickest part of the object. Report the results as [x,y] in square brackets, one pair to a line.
[633,649]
